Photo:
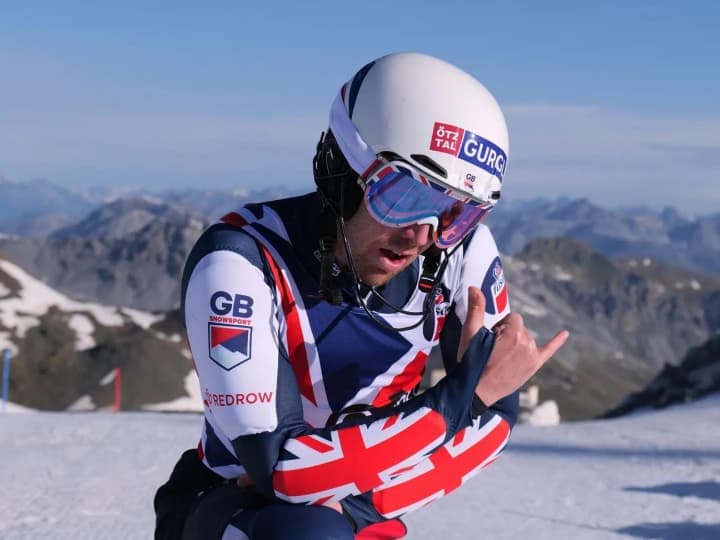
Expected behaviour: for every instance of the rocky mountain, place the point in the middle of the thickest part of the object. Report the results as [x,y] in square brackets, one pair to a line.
[64,352]
[696,376]
[39,208]
[665,235]
[629,315]
[124,217]
[627,319]
[128,253]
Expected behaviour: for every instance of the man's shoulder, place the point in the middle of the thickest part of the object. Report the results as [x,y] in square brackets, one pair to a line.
[288,207]
[223,236]
[481,239]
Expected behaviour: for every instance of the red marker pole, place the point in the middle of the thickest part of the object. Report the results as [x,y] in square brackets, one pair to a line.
[118,390]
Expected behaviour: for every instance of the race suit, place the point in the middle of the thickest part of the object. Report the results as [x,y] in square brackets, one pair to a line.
[316,402]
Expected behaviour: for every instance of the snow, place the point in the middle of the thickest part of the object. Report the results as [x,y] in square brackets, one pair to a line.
[35,298]
[83,403]
[526,304]
[562,275]
[545,414]
[4,291]
[191,402]
[109,377]
[652,475]
[20,313]
[143,319]
[172,338]
[84,330]
[6,343]
[10,407]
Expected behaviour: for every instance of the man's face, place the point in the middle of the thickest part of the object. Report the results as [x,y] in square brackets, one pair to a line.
[381,252]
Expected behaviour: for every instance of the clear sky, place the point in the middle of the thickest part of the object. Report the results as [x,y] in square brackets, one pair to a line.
[618,101]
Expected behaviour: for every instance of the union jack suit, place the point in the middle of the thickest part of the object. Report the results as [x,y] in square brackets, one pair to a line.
[316,402]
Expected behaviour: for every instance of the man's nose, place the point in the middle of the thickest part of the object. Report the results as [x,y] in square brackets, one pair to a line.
[418,234]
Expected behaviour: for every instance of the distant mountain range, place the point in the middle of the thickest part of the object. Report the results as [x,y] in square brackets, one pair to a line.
[40,209]
[570,264]
[128,253]
[36,208]
[664,235]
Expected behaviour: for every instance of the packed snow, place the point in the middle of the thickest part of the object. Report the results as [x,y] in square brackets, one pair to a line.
[655,474]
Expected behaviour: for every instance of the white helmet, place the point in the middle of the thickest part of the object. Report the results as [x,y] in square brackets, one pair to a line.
[429,113]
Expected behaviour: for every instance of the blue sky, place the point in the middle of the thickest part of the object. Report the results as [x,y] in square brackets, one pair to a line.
[615,101]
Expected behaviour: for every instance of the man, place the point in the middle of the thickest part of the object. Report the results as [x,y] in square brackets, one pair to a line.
[310,321]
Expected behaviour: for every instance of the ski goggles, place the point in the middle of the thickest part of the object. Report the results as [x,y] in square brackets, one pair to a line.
[397,195]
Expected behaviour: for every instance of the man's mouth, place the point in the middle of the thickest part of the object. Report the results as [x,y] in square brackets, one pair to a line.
[395,258]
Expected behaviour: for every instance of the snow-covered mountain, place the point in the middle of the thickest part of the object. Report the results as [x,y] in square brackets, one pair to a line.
[627,318]
[130,253]
[64,352]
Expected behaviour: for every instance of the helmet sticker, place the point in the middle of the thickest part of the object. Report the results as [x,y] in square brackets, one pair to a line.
[470,147]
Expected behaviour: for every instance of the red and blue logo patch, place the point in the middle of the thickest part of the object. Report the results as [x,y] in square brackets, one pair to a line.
[470,147]
[495,289]
[229,344]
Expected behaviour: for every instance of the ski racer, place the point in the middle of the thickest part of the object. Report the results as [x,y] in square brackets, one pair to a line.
[310,320]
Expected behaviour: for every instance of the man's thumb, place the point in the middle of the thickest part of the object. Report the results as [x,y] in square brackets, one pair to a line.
[474,320]
[476,308]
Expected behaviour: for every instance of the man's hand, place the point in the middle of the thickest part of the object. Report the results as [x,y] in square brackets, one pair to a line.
[515,357]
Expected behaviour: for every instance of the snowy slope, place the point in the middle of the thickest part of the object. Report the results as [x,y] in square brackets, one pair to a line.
[651,475]
[20,310]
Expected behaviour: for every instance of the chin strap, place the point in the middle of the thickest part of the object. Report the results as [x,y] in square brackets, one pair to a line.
[340,198]
[429,277]
[329,289]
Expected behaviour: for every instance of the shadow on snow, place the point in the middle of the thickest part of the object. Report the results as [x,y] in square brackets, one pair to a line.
[705,490]
[673,531]
[613,452]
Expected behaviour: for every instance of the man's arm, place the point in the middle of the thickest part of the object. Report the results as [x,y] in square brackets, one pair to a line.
[235,328]
[282,455]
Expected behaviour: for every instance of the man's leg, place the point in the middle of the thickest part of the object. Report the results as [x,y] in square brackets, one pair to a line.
[275,521]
